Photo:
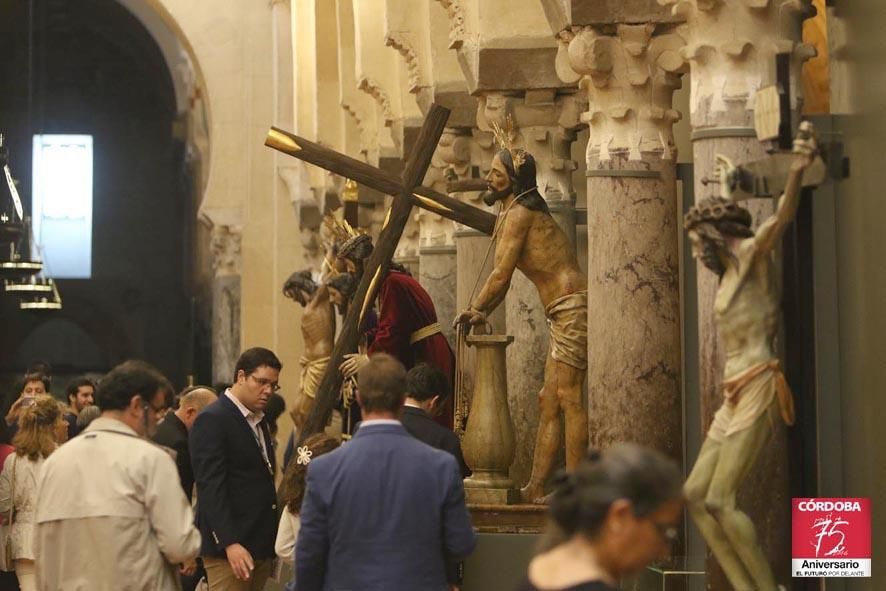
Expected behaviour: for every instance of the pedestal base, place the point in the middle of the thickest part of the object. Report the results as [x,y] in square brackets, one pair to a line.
[492,496]
[508,519]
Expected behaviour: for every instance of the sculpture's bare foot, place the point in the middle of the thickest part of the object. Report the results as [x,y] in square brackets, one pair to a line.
[533,495]
[543,500]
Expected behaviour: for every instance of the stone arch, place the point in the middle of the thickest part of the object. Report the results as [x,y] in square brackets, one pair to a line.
[213,42]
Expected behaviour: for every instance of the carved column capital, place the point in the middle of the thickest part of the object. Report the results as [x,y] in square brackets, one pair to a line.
[630,73]
[451,161]
[732,48]
[225,242]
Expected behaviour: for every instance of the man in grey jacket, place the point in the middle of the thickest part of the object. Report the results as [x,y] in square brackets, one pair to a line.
[111,486]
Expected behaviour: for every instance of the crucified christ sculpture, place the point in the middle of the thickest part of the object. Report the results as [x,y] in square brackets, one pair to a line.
[527,238]
[318,333]
[755,390]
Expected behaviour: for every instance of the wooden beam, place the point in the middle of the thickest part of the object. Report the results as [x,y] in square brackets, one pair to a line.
[369,176]
[466,185]
[376,266]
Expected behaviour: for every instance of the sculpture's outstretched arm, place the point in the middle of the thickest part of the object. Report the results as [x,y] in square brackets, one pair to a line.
[805,150]
[508,247]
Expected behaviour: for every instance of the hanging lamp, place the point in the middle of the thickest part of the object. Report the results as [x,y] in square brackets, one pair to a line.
[29,286]
[11,212]
[17,261]
[42,302]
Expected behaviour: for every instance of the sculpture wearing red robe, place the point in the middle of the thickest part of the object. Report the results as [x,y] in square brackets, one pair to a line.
[404,308]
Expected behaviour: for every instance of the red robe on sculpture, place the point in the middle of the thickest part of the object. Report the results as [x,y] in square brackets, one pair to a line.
[408,330]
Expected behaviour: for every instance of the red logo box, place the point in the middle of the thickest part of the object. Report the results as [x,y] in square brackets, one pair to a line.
[831,537]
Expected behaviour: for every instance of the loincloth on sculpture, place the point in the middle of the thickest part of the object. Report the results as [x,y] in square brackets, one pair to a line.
[568,323]
[748,395]
[312,371]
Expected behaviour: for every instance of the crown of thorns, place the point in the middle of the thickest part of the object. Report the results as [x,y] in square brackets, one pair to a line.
[357,248]
[716,209]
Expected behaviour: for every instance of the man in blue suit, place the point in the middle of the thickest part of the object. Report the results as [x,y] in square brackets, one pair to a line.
[383,512]
[233,459]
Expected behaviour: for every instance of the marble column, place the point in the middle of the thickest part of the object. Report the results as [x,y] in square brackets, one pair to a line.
[634,390]
[731,48]
[546,123]
[225,245]
[437,250]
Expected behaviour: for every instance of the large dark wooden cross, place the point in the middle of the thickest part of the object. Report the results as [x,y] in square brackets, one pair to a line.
[407,192]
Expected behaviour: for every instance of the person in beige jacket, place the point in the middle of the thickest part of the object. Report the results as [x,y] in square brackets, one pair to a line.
[111,515]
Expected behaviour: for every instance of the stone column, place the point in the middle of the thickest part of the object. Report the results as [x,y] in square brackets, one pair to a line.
[225,244]
[731,47]
[437,250]
[546,123]
[630,73]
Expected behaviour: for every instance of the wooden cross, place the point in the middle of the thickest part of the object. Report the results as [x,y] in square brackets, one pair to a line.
[406,192]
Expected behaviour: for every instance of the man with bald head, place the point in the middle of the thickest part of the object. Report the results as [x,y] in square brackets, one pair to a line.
[173,431]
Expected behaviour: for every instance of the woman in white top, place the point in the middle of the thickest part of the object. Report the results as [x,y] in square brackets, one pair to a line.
[292,491]
[35,440]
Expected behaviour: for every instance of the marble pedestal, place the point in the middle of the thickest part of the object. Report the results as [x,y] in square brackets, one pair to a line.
[488,442]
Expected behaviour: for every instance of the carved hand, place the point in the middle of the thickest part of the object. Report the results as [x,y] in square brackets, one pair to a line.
[727,174]
[353,363]
[471,317]
[805,147]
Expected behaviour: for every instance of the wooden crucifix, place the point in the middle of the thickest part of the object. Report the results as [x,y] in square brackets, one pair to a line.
[406,192]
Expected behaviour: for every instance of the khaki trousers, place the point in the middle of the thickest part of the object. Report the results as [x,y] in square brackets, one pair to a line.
[26,574]
[221,577]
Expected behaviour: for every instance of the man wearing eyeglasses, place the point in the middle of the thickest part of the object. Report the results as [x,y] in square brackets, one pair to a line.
[234,465]
[109,484]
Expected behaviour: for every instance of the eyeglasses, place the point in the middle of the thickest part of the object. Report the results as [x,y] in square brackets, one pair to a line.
[159,412]
[275,387]
[669,533]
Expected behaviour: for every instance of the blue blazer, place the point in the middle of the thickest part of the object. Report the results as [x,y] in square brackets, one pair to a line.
[236,497]
[378,515]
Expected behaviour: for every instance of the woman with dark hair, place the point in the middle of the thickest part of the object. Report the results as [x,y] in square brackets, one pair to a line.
[39,424]
[292,491]
[617,513]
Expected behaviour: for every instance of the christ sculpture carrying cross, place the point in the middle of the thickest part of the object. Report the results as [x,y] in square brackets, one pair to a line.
[406,192]
[532,232]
